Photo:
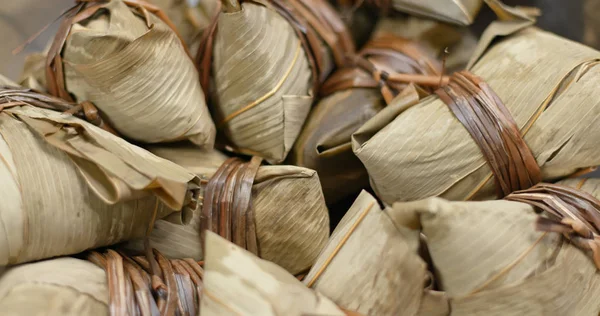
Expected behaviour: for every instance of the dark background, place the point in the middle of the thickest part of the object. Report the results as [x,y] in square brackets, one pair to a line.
[573,19]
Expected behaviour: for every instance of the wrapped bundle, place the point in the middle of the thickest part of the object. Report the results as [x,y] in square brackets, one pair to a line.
[120,57]
[285,204]
[367,250]
[191,17]
[68,186]
[352,96]
[491,261]
[115,285]
[265,77]
[499,122]
[238,283]
[486,257]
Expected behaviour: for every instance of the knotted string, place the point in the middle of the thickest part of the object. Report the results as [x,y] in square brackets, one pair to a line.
[227,208]
[494,130]
[571,212]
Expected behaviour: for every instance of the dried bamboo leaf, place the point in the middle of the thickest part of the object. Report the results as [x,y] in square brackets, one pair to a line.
[201,162]
[69,186]
[291,217]
[130,67]
[191,17]
[434,303]
[151,284]
[370,265]
[425,151]
[490,260]
[324,144]
[262,81]
[64,286]
[34,72]
[7,82]
[436,36]
[462,12]
[127,168]
[504,230]
[238,283]
[352,97]
[109,284]
[570,287]
[71,217]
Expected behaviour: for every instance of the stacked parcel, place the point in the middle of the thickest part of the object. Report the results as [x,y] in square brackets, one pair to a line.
[423,150]
[265,78]
[125,60]
[284,203]
[434,256]
[69,186]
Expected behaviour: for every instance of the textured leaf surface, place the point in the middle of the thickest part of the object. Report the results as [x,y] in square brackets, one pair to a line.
[238,283]
[262,81]
[64,286]
[140,77]
[425,151]
[290,214]
[369,265]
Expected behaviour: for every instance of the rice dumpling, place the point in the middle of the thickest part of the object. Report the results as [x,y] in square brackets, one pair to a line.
[352,96]
[111,283]
[108,284]
[265,78]
[502,265]
[289,212]
[433,256]
[430,149]
[68,186]
[130,64]
[367,251]
[238,283]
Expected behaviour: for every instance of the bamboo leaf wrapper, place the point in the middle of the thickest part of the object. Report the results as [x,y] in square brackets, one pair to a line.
[131,65]
[70,186]
[292,224]
[423,150]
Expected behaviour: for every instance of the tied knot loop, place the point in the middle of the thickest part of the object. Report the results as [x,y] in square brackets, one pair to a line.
[13,96]
[227,208]
[494,130]
[151,284]
[571,212]
[389,63]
